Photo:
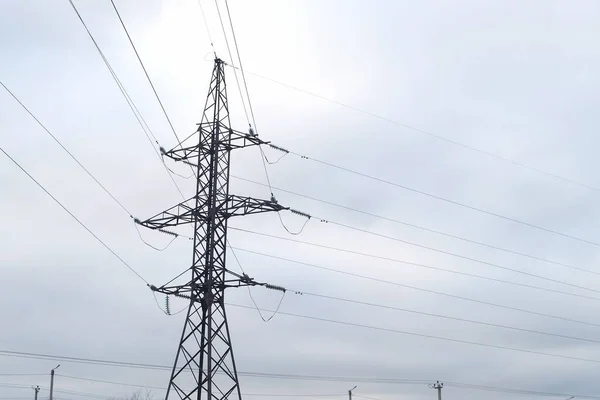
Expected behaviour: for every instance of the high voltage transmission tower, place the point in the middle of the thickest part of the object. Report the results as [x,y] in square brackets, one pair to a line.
[204,366]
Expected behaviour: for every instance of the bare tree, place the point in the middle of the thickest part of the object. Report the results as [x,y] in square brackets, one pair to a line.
[139,395]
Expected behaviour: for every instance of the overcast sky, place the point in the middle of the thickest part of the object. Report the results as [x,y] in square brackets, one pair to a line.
[516,79]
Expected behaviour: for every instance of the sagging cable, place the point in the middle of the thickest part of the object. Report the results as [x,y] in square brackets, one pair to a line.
[297,212]
[278,305]
[173,172]
[136,222]
[281,149]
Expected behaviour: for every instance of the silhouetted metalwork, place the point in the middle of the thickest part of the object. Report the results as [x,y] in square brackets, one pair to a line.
[204,366]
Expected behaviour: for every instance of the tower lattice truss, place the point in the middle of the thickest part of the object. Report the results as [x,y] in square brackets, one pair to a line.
[204,366]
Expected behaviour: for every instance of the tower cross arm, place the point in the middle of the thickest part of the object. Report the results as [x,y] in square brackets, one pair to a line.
[235,140]
[243,139]
[185,213]
[239,205]
[182,213]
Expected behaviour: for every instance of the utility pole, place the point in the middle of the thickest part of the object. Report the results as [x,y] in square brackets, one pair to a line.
[36,389]
[52,381]
[350,393]
[204,367]
[438,386]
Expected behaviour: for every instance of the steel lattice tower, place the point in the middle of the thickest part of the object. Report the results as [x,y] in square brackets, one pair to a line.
[204,366]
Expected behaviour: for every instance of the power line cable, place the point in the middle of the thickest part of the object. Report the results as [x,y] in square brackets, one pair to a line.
[73,216]
[76,393]
[237,49]
[446,200]
[212,45]
[162,388]
[430,291]
[130,102]
[294,395]
[427,336]
[452,254]
[471,321]
[430,248]
[84,394]
[378,257]
[65,149]
[110,382]
[364,397]
[134,109]
[231,58]
[37,120]
[147,76]
[396,221]
[145,71]
[237,260]
[150,245]
[325,378]
[509,390]
[428,133]
[82,360]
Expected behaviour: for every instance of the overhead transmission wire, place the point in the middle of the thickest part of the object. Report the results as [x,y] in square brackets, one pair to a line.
[442,316]
[428,336]
[147,76]
[151,245]
[415,264]
[263,156]
[441,198]
[425,132]
[237,260]
[343,323]
[162,388]
[424,290]
[403,310]
[73,216]
[109,382]
[452,254]
[364,397]
[446,200]
[231,58]
[138,115]
[324,378]
[212,44]
[237,50]
[397,221]
[457,385]
[134,109]
[65,149]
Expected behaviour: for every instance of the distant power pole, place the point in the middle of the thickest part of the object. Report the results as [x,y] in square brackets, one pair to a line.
[36,389]
[438,386]
[51,381]
[350,393]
